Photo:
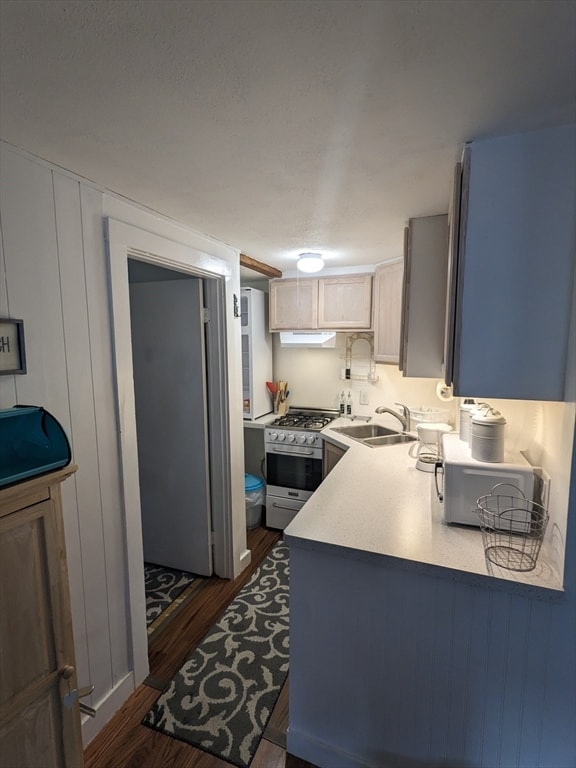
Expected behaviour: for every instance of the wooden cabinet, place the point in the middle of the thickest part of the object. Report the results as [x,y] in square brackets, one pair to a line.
[424,296]
[293,304]
[331,455]
[512,267]
[387,311]
[339,303]
[345,302]
[37,665]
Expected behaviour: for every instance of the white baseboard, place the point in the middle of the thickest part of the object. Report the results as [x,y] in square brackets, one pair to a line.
[245,559]
[107,708]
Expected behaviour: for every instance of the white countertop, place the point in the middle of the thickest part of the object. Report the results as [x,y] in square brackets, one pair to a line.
[261,421]
[376,503]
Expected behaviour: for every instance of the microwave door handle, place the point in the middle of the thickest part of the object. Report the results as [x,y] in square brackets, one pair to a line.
[437,467]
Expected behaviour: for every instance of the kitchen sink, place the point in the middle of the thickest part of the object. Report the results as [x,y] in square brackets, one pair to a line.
[399,437]
[364,431]
[374,435]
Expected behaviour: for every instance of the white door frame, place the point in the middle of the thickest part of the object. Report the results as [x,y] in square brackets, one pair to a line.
[125,241]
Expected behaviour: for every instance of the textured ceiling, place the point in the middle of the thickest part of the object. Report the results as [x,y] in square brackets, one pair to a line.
[282,125]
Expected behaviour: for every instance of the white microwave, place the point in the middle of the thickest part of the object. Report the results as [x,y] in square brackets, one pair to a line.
[466,479]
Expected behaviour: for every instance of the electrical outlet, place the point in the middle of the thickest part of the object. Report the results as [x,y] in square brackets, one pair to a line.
[363,397]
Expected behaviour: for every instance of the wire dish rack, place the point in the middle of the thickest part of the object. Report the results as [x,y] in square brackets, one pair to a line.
[513,528]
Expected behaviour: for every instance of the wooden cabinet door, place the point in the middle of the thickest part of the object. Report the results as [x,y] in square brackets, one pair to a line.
[387,311]
[37,730]
[293,304]
[345,302]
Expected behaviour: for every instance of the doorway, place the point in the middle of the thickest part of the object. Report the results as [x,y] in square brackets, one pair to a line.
[170,389]
[130,244]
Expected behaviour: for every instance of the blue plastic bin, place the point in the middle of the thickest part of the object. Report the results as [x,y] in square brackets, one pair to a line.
[254,488]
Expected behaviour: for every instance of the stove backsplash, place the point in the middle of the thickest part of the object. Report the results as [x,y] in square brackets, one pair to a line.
[315,381]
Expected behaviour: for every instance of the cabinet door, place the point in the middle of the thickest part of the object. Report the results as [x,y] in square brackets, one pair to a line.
[455,213]
[424,296]
[293,304]
[515,267]
[37,656]
[331,456]
[345,302]
[387,311]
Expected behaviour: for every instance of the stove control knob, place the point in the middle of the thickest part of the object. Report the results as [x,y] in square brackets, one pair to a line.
[273,435]
[302,438]
[311,439]
[290,437]
[281,436]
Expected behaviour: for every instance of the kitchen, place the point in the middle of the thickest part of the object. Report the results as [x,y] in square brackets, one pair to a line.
[370,532]
[50,215]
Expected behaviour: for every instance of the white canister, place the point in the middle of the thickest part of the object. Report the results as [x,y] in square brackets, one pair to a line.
[487,435]
[466,408]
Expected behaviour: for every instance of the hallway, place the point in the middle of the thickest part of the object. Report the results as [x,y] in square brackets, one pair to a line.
[125,743]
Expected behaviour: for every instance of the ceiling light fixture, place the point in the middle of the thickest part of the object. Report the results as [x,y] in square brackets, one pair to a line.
[310,262]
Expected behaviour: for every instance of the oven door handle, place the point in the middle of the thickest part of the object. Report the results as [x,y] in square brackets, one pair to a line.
[290,509]
[303,452]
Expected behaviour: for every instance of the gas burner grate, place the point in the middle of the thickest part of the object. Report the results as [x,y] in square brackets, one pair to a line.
[311,421]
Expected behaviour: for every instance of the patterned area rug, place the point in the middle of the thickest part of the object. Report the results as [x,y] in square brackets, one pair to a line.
[222,697]
[162,586]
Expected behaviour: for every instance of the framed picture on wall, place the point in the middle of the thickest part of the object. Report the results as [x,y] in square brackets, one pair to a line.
[12,350]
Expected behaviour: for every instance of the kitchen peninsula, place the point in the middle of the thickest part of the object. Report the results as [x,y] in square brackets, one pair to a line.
[405,650]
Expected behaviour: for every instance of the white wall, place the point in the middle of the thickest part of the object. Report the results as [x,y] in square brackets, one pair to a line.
[314,378]
[54,276]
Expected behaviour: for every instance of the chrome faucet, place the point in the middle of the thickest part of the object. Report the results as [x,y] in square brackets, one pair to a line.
[403,419]
[406,414]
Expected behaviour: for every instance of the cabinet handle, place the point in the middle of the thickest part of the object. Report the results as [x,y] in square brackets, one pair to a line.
[405,301]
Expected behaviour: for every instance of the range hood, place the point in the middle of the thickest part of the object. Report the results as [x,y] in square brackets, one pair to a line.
[308,339]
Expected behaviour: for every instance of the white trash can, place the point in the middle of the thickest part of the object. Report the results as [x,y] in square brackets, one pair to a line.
[254,489]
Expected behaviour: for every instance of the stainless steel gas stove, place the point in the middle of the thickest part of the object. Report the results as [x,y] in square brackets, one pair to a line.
[293,462]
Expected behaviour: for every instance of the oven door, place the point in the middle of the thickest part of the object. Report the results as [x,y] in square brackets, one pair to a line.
[290,472]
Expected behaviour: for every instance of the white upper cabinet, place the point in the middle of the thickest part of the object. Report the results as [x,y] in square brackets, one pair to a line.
[329,303]
[512,267]
[293,304]
[345,302]
[424,296]
[387,311]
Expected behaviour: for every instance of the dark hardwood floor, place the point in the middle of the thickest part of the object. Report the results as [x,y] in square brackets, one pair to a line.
[125,743]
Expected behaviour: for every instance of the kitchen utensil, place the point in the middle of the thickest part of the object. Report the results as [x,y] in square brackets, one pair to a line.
[282,390]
